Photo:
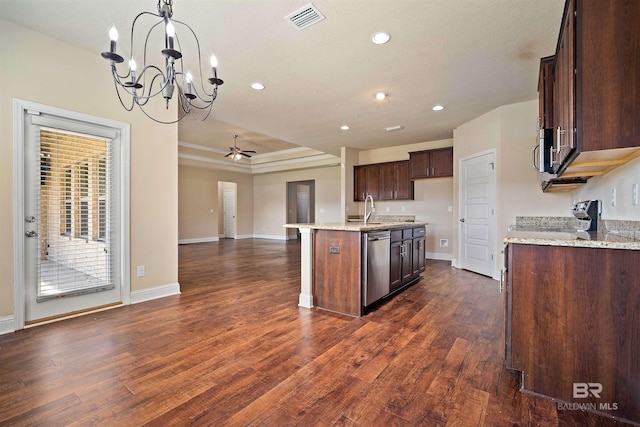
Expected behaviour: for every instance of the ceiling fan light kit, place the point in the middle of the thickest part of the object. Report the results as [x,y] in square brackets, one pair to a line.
[236,153]
[152,80]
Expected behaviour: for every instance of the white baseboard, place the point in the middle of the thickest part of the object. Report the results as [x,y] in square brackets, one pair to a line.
[305,300]
[269,236]
[439,256]
[496,275]
[244,236]
[7,325]
[155,293]
[198,240]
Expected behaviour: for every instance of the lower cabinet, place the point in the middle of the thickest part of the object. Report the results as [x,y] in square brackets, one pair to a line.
[407,256]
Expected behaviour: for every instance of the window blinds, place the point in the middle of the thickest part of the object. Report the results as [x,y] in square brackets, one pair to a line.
[74,224]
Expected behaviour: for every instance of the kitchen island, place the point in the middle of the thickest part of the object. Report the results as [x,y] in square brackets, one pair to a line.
[332,261]
[571,308]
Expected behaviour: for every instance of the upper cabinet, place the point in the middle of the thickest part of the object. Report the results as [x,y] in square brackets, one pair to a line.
[545,92]
[383,181]
[596,87]
[366,182]
[431,163]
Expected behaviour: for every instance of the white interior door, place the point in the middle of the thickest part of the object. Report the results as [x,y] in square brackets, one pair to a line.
[477,220]
[229,202]
[71,217]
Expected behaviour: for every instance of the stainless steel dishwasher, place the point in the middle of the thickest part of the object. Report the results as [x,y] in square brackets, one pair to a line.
[376,255]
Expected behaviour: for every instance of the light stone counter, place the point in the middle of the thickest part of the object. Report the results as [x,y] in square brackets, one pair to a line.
[613,234]
[357,225]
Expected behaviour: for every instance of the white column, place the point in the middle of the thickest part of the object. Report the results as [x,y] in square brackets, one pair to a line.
[306,268]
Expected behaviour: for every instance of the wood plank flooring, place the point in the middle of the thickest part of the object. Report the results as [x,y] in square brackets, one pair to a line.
[235,350]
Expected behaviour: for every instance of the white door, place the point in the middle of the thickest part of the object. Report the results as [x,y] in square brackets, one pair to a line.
[71,221]
[229,202]
[477,220]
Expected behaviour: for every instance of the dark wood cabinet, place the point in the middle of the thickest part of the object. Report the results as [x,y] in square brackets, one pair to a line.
[366,182]
[383,181]
[407,256]
[545,93]
[394,181]
[596,113]
[431,163]
[572,318]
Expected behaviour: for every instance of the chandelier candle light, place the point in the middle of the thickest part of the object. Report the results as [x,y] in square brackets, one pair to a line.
[152,80]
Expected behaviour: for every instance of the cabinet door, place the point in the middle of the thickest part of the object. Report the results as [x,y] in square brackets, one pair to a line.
[373,181]
[407,260]
[419,164]
[387,181]
[564,90]
[442,162]
[395,266]
[403,184]
[418,261]
[359,183]
[545,93]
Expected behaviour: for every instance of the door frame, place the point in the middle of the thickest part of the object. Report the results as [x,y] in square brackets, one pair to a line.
[493,201]
[20,107]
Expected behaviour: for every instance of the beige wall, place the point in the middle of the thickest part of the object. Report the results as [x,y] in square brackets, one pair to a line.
[43,70]
[600,187]
[510,131]
[432,197]
[198,195]
[270,198]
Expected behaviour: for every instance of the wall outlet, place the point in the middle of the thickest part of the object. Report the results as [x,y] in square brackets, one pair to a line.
[444,243]
[402,209]
[613,197]
[321,211]
[634,194]
[140,271]
[450,209]
[386,209]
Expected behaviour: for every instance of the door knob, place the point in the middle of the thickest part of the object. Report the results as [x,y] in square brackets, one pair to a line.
[30,233]
[30,219]
[461,219]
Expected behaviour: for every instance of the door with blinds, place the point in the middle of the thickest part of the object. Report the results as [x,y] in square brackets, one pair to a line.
[71,215]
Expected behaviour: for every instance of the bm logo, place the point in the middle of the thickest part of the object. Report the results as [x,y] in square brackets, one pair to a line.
[584,390]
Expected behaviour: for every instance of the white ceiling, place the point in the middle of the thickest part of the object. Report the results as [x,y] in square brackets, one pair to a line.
[471,56]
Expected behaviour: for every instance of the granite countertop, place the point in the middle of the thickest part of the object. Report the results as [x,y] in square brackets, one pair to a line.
[611,234]
[357,226]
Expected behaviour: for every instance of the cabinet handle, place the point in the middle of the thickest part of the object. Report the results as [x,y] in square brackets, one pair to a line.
[559,133]
[433,171]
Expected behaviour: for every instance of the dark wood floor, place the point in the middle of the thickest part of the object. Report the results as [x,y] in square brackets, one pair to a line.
[234,349]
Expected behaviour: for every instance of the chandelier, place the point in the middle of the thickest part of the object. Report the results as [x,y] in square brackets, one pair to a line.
[153,79]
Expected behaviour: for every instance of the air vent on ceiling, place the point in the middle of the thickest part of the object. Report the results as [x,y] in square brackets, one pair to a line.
[305,17]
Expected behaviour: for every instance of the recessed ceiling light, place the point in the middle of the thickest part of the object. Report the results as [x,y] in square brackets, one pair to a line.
[345,127]
[438,108]
[393,128]
[380,37]
[380,95]
[257,86]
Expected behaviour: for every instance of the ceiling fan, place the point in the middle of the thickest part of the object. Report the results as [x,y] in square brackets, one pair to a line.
[237,153]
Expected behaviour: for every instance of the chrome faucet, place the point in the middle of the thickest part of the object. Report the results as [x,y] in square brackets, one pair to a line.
[367,215]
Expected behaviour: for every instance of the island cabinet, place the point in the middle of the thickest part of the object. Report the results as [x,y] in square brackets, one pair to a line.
[337,271]
[407,256]
[596,113]
[572,321]
[431,163]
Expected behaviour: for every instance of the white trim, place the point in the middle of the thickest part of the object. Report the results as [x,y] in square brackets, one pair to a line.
[19,108]
[155,293]
[439,256]
[198,240]
[7,324]
[201,147]
[305,301]
[233,165]
[265,236]
[496,275]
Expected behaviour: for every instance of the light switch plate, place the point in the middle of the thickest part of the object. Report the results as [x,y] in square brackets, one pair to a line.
[634,194]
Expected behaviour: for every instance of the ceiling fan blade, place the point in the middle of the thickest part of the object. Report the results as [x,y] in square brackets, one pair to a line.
[246,155]
[228,154]
[248,151]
